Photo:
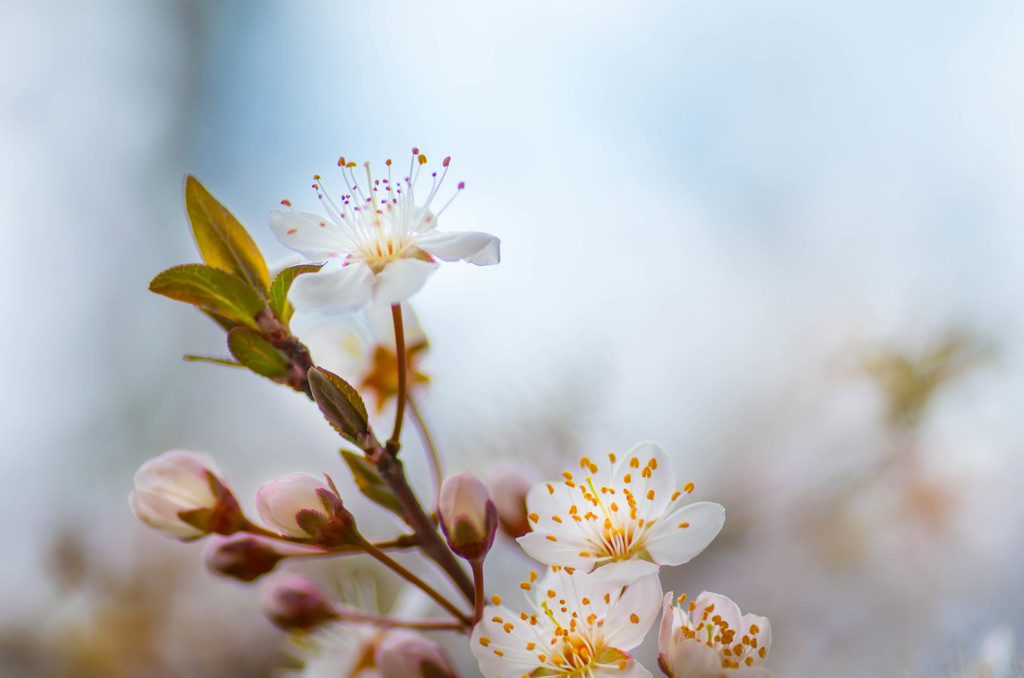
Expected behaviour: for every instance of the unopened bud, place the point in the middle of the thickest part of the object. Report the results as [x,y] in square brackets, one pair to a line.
[242,557]
[299,505]
[510,483]
[404,654]
[183,494]
[294,603]
[468,516]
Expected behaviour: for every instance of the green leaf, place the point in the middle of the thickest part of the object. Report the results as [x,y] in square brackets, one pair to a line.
[211,289]
[223,241]
[278,294]
[371,484]
[340,404]
[259,355]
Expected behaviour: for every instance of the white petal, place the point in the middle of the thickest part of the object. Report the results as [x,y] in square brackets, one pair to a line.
[643,599]
[624,572]
[311,235]
[667,623]
[764,630]
[334,289]
[477,248]
[723,607]
[161,514]
[511,644]
[653,493]
[400,279]
[542,549]
[670,544]
[692,659]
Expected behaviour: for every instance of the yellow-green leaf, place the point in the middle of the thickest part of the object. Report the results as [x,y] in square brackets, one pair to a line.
[371,484]
[278,294]
[223,241]
[211,289]
[259,355]
[340,404]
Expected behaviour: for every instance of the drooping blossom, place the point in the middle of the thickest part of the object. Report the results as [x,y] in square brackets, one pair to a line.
[379,241]
[709,638]
[183,494]
[300,505]
[621,520]
[469,518]
[295,603]
[577,626]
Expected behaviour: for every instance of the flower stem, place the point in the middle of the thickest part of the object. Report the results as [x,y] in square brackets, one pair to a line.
[403,542]
[433,546]
[428,443]
[394,442]
[478,590]
[416,581]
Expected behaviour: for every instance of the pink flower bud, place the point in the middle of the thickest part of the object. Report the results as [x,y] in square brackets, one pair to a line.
[404,654]
[510,483]
[243,557]
[468,516]
[292,602]
[299,505]
[182,493]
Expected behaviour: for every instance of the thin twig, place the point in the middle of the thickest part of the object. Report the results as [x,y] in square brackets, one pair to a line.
[416,581]
[394,442]
[428,444]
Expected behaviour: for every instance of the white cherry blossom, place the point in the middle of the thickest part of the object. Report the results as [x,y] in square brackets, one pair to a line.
[577,627]
[622,519]
[379,243]
[709,638]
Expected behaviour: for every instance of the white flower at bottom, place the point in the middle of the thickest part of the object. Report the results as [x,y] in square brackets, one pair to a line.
[708,638]
[579,627]
[378,244]
[622,520]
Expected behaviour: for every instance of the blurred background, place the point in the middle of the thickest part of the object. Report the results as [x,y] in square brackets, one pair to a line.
[781,239]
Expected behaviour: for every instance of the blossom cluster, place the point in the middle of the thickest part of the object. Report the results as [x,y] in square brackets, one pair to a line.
[600,533]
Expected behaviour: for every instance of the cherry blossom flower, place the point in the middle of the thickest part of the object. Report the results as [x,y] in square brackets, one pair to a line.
[183,494]
[378,244]
[621,520]
[708,638]
[578,626]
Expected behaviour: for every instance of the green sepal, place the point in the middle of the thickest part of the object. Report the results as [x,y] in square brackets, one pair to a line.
[259,355]
[340,404]
[211,289]
[222,240]
[278,293]
[371,484]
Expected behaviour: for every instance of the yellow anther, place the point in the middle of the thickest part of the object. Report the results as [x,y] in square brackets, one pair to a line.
[496,599]
[497,620]
[525,586]
[611,457]
[650,495]
[675,495]
[634,463]
[534,518]
[652,464]
[634,618]
[628,478]
[499,653]
[551,488]
[688,488]
[485,641]
[684,524]
[508,627]
[552,537]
